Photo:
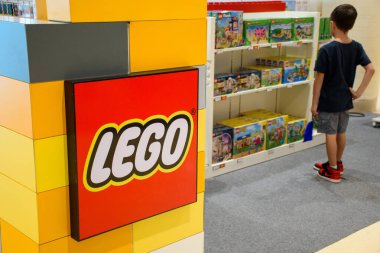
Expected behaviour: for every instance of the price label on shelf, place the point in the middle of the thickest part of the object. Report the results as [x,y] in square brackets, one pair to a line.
[218,167]
[299,43]
[216,99]
[256,47]
[290,86]
[269,90]
[223,98]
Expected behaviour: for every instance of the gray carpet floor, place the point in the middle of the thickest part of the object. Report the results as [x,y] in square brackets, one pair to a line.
[283,206]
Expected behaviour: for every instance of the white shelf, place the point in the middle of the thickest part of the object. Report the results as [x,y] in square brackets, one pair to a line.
[266,155]
[258,46]
[268,89]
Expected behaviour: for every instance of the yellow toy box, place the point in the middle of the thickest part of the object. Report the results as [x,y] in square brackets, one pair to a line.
[248,136]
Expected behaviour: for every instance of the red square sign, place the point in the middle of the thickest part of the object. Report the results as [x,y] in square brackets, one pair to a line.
[132,145]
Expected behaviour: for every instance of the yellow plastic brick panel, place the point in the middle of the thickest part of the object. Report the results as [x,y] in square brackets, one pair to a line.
[53,214]
[13,241]
[17,158]
[164,229]
[48,109]
[51,163]
[201,130]
[121,10]
[15,112]
[167,44]
[19,207]
[115,241]
[201,172]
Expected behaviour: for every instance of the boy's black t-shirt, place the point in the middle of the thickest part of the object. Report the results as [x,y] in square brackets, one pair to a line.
[338,62]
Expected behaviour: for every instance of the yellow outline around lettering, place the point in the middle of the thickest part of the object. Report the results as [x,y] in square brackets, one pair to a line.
[134,176]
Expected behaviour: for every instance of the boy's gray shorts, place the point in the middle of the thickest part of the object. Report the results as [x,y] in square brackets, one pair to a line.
[332,122]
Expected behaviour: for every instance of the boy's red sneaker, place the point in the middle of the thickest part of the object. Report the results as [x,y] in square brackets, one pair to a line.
[329,174]
[318,166]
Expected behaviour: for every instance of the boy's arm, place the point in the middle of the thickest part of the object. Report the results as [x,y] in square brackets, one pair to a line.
[317,92]
[369,71]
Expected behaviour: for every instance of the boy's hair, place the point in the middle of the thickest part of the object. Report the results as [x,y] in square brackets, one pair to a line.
[344,17]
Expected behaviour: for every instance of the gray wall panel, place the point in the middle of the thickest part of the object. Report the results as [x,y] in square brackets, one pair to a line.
[73,51]
[202,87]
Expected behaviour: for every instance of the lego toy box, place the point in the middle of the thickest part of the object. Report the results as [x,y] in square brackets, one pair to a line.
[228,28]
[303,28]
[248,136]
[293,69]
[269,75]
[296,128]
[248,79]
[327,29]
[256,32]
[222,143]
[281,30]
[275,126]
[225,84]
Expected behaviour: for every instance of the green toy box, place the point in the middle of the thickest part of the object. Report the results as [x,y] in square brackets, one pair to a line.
[281,30]
[269,75]
[256,32]
[228,28]
[248,136]
[296,128]
[303,28]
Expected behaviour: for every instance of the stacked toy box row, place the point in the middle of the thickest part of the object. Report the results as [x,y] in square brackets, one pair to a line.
[236,82]
[324,29]
[232,31]
[294,69]
[253,132]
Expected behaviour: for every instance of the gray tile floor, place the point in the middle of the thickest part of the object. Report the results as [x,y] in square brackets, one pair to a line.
[283,206]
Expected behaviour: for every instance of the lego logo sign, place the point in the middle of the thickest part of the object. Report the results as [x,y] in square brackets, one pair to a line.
[136,149]
[132,148]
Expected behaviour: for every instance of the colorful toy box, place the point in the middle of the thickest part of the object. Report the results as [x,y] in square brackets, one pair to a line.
[275,126]
[248,136]
[269,75]
[222,138]
[296,128]
[225,84]
[303,28]
[256,32]
[228,28]
[281,30]
[293,69]
[249,79]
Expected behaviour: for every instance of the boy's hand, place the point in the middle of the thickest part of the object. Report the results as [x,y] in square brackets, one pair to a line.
[314,110]
[355,94]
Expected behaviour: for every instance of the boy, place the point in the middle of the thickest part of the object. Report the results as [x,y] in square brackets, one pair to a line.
[333,88]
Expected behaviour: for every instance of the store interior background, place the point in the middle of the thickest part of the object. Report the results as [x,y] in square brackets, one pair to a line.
[364,31]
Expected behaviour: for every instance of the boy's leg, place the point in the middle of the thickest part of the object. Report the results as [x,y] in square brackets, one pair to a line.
[341,144]
[331,148]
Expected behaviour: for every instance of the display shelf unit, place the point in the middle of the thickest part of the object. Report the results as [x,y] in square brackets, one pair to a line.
[292,99]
